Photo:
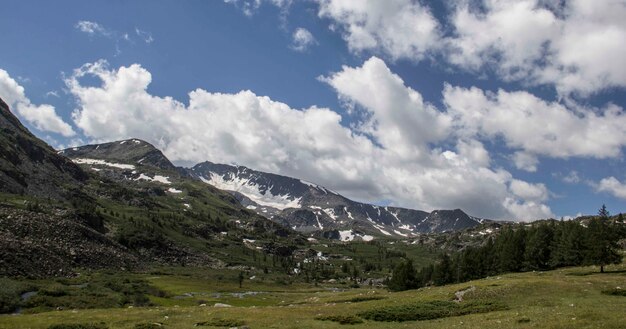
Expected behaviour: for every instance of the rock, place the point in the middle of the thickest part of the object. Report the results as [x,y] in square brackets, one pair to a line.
[221,305]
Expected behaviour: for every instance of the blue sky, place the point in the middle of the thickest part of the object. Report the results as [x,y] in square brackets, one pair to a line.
[509,110]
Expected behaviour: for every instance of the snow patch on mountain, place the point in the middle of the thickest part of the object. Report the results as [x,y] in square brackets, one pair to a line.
[251,190]
[156,178]
[349,235]
[103,163]
[330,212]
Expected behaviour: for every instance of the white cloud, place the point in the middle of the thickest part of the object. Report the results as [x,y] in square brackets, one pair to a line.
[43,117]
[577,46]
[302,39]
[525,161]
[250,7]
[401,29]
[535,126]
[119,38]
[613,186]
[144,35]
[529,191]
[93,28]
[572,177]
[362,162]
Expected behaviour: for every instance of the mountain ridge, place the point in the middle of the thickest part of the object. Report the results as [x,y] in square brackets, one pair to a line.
[292,202]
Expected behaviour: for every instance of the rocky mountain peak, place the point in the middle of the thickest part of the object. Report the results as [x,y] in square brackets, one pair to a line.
[130,151]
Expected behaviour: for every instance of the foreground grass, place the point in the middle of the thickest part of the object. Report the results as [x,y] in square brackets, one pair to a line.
[566,298]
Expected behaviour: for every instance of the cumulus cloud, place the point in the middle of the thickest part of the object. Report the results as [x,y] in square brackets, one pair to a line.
[529,191]
[43,117]
[401,29]
[302,39]
[525,161]
[535,126]
[613,186]
[386,156]
[575,46]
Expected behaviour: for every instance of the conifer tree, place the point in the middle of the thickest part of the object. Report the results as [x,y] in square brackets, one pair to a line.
[602,242]
[403,277]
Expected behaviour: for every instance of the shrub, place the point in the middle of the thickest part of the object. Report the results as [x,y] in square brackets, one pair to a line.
[430,310]
[341,319]
[615,292]
[222,323]
[100,325]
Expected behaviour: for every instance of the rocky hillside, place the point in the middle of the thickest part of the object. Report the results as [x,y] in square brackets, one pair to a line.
[30,166]
[34,244]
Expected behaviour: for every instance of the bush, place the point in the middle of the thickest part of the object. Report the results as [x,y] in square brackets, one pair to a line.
[341,319]
[615,292]
[222,323]
[430,310]
[100,325]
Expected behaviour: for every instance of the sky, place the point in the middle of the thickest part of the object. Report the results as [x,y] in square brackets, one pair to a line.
[506,109]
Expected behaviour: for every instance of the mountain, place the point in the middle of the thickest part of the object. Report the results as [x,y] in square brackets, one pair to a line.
[30,166]
[132,151]
[308,207]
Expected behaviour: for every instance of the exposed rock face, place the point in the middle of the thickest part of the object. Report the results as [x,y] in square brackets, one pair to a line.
[30,166]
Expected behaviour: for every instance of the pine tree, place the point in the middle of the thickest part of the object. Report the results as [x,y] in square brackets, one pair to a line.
[538,247]
[602,242]
[403,277]
[444,271]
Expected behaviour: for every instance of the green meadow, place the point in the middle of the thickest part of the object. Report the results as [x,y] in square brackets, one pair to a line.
[577,297]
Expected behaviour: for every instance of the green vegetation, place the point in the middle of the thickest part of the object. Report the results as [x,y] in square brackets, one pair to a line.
[228,323]
[79,326]
[525,247]
[565,298]
[341,319]
[431,310]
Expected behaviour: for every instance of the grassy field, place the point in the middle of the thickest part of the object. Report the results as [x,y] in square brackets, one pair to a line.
[565,298]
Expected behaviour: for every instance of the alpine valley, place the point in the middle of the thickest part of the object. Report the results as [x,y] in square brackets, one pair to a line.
[114,235]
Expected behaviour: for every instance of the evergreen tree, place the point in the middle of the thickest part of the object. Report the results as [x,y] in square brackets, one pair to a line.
[403,277]
[444,271]
[602,242]
[538,247]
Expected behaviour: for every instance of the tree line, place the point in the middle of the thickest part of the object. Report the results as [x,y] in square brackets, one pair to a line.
[540,246]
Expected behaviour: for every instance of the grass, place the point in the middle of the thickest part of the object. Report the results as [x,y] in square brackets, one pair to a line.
[554,299]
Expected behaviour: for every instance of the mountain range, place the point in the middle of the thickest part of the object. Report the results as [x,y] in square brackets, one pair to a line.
[300,205]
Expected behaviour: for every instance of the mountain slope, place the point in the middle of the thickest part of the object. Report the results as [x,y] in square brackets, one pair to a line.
[308,207]
[30,166]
